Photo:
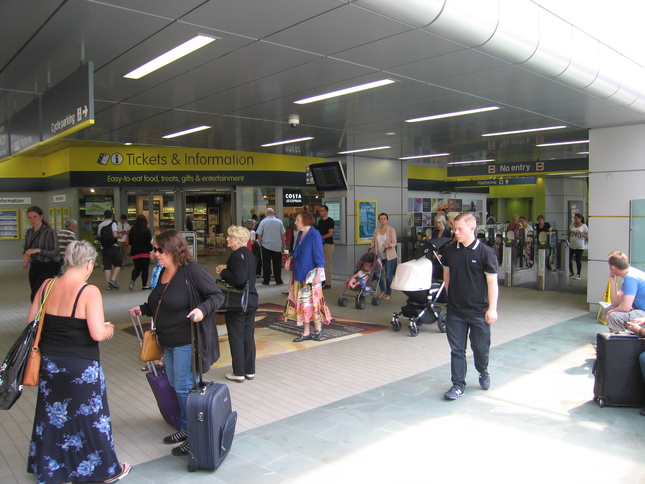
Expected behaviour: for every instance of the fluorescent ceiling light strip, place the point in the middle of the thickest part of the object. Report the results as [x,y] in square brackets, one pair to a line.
[287,141]
[424,156]
[579,142]
[186,131]
[342,92]
[171,56]
[364,149]
[471,161]
[519,131]
[450,115]
[582,153]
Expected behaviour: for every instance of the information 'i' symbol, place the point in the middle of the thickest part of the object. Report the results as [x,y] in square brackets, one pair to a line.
[117,159]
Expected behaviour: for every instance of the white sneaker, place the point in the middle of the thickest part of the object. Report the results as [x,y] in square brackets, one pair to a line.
[578,277]
[571,275]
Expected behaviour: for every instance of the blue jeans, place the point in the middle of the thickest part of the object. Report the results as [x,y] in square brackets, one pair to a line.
[457,331]
[389,267]
[178,361]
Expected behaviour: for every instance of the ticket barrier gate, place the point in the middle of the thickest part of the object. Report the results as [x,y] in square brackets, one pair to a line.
[518,259]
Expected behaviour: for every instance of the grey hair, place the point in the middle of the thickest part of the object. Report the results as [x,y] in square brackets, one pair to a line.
[69,222]
[440,218]
[79,252]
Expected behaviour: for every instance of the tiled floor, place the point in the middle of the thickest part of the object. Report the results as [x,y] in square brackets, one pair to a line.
[370,408]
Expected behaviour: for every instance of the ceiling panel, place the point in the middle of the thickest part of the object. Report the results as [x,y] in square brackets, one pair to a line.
[271,54]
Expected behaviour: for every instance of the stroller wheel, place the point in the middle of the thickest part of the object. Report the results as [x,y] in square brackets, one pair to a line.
[342,302]
[376,301]
[441,322]
[414,329]
[396,325]
[360,303]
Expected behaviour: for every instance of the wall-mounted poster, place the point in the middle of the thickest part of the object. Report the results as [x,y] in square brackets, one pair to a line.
[365,220]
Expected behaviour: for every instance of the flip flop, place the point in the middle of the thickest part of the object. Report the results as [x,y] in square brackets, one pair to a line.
[387,297]
[125,470]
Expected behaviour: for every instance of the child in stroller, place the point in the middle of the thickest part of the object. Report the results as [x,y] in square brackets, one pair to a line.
[415,279]
[365,280]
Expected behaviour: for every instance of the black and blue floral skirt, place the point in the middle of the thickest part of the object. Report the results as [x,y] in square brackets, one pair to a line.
[72,436]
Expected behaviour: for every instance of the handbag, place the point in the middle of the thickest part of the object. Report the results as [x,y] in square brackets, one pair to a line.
[151,348]
[312,274]
[12,370]
[234,299]
[32,366]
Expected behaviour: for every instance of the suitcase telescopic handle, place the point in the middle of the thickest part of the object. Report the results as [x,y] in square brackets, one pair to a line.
[195,341]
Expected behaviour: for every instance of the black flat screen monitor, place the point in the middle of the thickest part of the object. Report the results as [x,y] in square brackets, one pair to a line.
[328,176]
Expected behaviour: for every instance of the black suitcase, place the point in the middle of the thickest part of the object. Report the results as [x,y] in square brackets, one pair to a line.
[211,421]
[619,381]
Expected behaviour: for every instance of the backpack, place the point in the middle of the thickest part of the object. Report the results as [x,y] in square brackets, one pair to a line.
[106,236]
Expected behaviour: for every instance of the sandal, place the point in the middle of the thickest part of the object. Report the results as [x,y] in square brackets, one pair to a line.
[125,470]
[387,297]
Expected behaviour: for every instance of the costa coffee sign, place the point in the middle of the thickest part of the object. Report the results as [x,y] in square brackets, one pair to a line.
[292,198]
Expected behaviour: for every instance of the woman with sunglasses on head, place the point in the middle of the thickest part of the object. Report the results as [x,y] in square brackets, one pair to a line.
[72,433]
[240,326]
[185,290]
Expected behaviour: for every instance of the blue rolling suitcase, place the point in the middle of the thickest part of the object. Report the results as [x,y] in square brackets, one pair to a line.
[165,395]
[211,421]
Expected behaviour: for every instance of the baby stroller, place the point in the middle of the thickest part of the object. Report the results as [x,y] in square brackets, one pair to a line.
[415,279]
[367,276]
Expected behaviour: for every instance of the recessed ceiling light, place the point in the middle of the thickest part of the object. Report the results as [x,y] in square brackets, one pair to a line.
[172,55]
[450,115]
[435,155]
[390,133]
[471,161]
[561,143]
[519,131]
[127,144]
[364,149]
[287,141]
[342,92]
[186,131]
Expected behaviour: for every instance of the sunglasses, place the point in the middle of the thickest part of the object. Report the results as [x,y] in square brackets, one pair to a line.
[157,250]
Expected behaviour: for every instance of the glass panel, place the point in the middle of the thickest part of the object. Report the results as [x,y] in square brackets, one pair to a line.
[637,233]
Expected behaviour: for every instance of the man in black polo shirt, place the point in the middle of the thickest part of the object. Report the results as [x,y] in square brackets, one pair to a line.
[326,228]
[470,274]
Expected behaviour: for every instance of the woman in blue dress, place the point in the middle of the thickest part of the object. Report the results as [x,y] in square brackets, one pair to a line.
[72,434]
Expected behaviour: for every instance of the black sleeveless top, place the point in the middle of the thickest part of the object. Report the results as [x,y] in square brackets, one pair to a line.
[68,336]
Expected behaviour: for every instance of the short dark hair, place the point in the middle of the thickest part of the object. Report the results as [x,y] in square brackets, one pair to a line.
[107,214]
[325,208]
[306,217]
[383,213]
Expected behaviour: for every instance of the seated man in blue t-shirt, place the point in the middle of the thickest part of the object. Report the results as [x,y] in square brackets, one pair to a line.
[628,303]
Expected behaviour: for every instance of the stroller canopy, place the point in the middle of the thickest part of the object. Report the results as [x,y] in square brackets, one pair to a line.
[414,275]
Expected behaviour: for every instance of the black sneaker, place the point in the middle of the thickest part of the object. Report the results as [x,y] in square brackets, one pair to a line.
[175,438]
[454,393]
[183,449]
[113,284]
[484,380]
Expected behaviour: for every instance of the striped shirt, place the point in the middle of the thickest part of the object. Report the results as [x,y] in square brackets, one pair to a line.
[64,238]
[44,239]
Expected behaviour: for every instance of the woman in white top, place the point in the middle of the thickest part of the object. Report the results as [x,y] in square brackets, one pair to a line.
[578,236]
[384,240]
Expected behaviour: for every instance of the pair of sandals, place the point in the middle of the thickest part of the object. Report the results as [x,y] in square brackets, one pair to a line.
[384,296]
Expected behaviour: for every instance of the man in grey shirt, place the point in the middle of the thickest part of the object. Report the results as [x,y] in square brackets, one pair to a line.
[270,234]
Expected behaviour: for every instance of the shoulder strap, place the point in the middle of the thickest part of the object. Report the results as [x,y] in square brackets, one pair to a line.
[40,316]
[76,300]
